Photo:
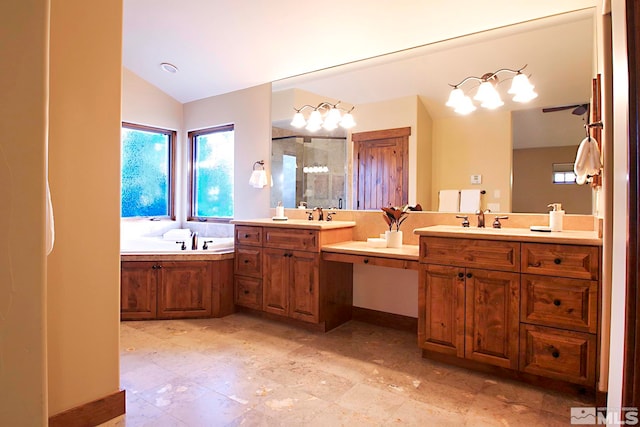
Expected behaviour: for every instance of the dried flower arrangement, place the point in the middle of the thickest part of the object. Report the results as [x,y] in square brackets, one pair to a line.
[395,216]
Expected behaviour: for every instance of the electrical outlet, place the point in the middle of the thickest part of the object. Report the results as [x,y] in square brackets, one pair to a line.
[476,179]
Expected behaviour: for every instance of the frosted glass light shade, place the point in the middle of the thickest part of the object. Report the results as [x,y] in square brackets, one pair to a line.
[465,107]
[492,101]
[520,84]
[347,121]
[486,91]
[298,120]
[456,97]
[315,118]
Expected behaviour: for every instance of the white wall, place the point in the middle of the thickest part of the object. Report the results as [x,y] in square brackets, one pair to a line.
[23,124]
[250,111]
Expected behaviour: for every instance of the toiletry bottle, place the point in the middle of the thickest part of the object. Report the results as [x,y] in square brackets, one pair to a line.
[279,210]
[555,216]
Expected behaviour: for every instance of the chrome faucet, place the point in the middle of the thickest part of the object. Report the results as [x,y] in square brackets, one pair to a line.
[320,214]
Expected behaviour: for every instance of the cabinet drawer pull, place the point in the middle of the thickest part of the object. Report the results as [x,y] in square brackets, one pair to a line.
[556,302]
[154,267]
[555,353]
[557,261]
[246,292]
[469,275]
[366,261]
[246,261]
[246,236]
[461,275]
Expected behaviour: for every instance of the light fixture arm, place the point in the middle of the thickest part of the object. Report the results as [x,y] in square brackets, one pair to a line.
[487,77]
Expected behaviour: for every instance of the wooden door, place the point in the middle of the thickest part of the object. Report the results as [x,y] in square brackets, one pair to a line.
[492,317]
[441,309]
[138,287]
[184,289]
[381,168]
[275,282]
[304,288]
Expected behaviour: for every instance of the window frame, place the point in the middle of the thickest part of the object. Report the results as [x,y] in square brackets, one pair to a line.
[191,136]
[172,135]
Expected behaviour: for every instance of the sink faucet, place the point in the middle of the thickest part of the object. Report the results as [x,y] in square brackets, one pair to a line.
[480,214]
[320,214]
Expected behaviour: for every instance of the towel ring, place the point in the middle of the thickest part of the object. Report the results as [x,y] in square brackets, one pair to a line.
[258,163]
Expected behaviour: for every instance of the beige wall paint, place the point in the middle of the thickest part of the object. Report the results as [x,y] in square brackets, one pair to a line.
[476,144]
[23,124]
[84,170]
[250,111]
[145,104]
[424,148]
[533,187]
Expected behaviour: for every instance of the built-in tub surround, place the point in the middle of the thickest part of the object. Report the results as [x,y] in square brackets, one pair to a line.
[158,245]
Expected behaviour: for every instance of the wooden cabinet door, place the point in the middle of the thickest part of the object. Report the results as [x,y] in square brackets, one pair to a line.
[492,317]
[275,282]
[184,289]
[304,285]
[441,309]
[138,287]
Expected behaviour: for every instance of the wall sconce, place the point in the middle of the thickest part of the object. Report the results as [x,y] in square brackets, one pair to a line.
[324,115]
[487,95]
[258,176]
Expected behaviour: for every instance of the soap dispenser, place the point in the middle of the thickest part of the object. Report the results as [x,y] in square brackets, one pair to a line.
[556,216]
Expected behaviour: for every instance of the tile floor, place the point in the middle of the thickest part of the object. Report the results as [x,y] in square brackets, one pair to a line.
[243,370]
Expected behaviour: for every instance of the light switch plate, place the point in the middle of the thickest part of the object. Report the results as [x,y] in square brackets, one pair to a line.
[476,179]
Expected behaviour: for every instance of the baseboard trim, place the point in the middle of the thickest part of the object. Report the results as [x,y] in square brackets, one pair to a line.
[381,318]
[92,413]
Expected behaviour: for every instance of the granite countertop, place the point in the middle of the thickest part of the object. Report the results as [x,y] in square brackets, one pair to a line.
[513,234]
[408,252]
[295,223]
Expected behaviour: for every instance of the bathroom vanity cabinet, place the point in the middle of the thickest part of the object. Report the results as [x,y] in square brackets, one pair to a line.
[279,271]
[532,308]
[175,289]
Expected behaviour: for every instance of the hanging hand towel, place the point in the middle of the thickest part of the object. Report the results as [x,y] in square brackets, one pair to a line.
[469,200]
[449,201]
[587,160]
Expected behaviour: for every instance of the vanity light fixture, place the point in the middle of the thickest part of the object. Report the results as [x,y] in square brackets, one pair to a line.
[258,177]
[324,115]
[487,94]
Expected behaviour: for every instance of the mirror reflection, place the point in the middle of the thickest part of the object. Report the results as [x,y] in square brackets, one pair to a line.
[497,150]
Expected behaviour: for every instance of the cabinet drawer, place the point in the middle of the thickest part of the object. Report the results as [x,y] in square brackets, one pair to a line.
[580,262]
[489,254]
[559,354]
[286,238]
[371,260]
[560,302]
[248,261]
[246,235]
[248,292]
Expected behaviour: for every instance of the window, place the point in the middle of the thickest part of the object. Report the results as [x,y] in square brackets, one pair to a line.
[211,174]
[563,173]
[147,171]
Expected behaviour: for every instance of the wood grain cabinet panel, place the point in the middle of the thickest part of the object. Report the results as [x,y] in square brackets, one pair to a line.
[184,289]
[490,254]
[579,262]
[560,354]
[492,317]
[441,309]
[304,268]
[248,235]
[275,283]
[248,261]
[139,281]
[560,302]
[248,292]
[295,239]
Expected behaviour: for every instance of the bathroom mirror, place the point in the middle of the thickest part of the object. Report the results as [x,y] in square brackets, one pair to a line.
[410,88]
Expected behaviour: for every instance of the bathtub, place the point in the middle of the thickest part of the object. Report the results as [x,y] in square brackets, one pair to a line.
[158,245]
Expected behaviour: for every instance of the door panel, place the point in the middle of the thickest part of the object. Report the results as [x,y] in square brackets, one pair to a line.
[304,290]
[275,281]
[185,289]
[492,317]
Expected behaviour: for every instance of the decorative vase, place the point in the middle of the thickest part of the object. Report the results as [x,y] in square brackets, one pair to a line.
[394,238]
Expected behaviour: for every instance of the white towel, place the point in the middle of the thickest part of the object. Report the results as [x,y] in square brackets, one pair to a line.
[469,200]
[449,201]
[587,160]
